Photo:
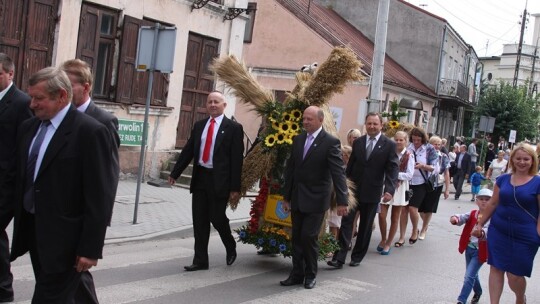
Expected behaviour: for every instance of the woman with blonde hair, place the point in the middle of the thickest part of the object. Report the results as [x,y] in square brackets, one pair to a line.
[352,135]
[514,229]
[497,167]
[406,170]
[334,220]
[431,202]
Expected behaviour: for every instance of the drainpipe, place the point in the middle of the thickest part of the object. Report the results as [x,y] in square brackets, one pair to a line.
[438,81]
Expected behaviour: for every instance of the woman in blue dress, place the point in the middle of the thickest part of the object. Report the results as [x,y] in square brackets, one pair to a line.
[513,236]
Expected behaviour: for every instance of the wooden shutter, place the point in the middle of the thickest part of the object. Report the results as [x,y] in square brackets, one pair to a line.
[12,29]
[39,37]
[88,43]
[133,85]
[198,83]
[126,63]
[27,35]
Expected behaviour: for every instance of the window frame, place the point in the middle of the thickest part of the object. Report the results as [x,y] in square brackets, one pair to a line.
[99,39]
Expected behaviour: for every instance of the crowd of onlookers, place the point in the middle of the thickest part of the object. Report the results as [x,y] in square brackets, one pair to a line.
[506,190]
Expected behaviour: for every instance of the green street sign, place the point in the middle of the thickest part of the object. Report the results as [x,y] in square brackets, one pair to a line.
[130,131]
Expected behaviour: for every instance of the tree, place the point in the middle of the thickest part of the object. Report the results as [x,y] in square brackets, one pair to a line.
[512,108]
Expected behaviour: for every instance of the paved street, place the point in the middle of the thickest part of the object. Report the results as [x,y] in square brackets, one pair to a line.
[144,265]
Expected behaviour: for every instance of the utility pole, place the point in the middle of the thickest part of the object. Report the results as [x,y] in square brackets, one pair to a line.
[377,69]
[520,46]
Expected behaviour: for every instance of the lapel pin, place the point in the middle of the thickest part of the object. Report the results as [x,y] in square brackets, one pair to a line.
[222,131]
[314,145]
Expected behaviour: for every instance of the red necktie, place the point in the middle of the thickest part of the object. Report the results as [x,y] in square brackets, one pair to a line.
[208,142]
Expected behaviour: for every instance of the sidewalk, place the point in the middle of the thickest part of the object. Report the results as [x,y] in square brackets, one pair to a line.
[161,211]
[166,210]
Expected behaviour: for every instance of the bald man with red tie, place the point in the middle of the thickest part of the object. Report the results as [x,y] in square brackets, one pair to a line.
[216,148]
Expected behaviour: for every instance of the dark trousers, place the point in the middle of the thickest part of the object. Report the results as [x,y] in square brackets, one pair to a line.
[69,287]
[305,245]
[208,207]
[367,215]
[6,278]
[459,178]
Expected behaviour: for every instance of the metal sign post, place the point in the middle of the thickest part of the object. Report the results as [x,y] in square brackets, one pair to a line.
[153,41]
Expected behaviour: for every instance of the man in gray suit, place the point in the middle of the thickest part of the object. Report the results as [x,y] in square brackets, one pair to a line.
[314,166]
[373,167]
[14,109]
[81,79]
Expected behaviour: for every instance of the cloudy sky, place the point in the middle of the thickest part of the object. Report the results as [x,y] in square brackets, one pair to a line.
[485,24]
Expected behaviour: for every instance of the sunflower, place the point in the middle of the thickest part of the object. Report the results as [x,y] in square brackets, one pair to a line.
[270,140]
[280,138]
[274,115]
[394,124]
[284,127]
[275,125]
[287,116]
[288,139]
[295,128]
[296,114]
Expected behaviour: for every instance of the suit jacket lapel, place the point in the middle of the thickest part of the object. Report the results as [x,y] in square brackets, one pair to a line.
[316,143]
[60,137]
[6,101]
[91,108]
[26,142]
[377,146]
[221,132]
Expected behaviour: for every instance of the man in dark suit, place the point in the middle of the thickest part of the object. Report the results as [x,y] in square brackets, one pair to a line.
[373,167]
[14,109]
[81,79]
[216,148]
[463,164]
[314,166]
[63,192]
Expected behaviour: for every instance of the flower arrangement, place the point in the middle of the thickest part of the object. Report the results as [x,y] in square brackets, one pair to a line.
[275,239]
[394,114]
[285,125]
[281,122]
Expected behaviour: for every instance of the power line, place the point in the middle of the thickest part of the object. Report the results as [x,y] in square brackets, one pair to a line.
[465,22]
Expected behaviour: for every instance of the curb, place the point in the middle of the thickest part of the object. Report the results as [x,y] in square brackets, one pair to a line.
[183,231]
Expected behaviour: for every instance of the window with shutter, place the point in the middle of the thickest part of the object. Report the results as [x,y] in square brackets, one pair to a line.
[198,83]
[133,85]
[95,45]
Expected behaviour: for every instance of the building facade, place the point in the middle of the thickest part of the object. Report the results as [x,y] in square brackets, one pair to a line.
[104,33]
[428,47]
[288,34]
[503,67]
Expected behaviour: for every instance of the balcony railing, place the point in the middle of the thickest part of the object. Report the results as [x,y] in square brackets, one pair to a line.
[452,87]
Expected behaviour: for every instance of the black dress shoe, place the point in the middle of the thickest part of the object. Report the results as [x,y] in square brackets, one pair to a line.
[310,283]
[335,264]
[354,263]
[231,258]
[195,267]
[290,281]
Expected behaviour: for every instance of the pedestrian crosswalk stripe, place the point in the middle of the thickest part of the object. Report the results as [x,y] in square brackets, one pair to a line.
[157,287]
[118,257]
[334,291]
